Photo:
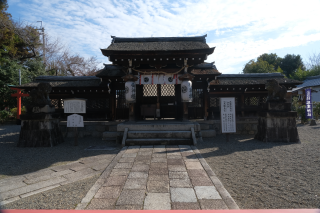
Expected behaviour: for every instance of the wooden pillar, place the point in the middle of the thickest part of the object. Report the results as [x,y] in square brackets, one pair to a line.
[113,104]
[131,112]
[242,104]
[205,103]
[185,111]
[158,101]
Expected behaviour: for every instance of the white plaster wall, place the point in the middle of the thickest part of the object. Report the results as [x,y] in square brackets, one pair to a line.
[316,95]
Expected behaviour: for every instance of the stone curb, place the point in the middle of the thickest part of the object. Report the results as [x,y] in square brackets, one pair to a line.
[217,183]
[94,189]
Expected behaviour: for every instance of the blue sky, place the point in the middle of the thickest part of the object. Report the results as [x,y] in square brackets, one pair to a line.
[240,30]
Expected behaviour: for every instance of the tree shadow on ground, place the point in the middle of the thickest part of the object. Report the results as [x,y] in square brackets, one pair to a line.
[22,160]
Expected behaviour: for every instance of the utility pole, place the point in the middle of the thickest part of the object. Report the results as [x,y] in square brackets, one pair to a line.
[43,42]
[19,76]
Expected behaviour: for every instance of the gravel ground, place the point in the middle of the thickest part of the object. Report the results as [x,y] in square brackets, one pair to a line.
[268,175]
[18,160]
[63,197]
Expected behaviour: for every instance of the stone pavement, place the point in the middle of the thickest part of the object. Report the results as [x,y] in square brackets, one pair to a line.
[156,178]
[15,188]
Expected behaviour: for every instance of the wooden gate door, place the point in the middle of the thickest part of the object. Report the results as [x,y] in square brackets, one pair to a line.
[122,108]
[195,108]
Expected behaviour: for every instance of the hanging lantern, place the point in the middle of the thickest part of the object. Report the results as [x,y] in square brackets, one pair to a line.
[130,88]
[186,91]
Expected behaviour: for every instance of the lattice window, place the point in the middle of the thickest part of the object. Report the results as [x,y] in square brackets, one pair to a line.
[149,90]
[55,102]
[167,90]
[121,99]
[214,102]
[264,99]
[197,98]
[252,101]
[98,103]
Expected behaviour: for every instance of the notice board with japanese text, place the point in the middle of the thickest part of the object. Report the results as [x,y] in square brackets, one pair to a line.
[228,115]
[75,105]
[75,120]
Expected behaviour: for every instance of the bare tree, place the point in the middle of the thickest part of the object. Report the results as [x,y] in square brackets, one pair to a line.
[314,61]
[62,61]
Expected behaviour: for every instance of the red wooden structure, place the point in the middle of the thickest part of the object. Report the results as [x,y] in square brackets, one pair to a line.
[19,94]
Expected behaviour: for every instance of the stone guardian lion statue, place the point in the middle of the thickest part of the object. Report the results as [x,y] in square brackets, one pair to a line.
[275,91]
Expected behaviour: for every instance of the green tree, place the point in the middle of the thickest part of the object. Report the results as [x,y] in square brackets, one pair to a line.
[290,64]
[258,66]
[9,75]
[300,74]
[272,59]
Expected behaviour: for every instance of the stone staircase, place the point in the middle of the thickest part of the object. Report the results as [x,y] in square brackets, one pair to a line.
[156,133]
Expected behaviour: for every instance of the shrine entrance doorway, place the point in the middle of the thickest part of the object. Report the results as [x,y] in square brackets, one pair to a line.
[152,97]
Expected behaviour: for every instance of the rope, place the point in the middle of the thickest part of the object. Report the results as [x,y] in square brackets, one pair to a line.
[159,72]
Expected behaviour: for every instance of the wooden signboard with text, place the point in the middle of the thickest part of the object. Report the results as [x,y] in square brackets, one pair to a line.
[74,105]
[228,115]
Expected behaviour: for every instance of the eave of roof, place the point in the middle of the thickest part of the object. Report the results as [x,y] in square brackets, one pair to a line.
[107,52]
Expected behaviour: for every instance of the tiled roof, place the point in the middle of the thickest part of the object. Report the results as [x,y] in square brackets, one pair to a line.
[157,46]
[65,81]
[110,70]
[205,69]
[251,79]
[311,81]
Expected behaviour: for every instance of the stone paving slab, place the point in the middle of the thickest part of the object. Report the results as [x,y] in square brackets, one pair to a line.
[158,186]
[30,188]
[207,192]
[136,183]
[101,204]
[12,186]
[157,201]
[185,195]
[131,197]
[26,185]
[213,204]
[185,206]
[159,178]
[180,183]
[109,192]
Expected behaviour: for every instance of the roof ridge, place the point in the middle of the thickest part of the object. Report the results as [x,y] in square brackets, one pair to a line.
[157,39]
[313,77]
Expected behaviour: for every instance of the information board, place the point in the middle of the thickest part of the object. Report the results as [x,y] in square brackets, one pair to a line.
[74,105]
[228,115]
[75,120]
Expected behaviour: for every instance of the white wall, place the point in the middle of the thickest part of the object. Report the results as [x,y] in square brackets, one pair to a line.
[316,95]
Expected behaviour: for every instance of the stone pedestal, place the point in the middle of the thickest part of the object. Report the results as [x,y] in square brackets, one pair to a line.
[277,124]
[40,129]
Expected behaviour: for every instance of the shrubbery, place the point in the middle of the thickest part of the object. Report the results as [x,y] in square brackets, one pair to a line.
[5,115]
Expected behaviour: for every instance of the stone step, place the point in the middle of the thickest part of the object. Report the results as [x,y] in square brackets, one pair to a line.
[159,134]
[205,126]
[109,135]
[170,126]
[112,128]
[158,141]
[208,133]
